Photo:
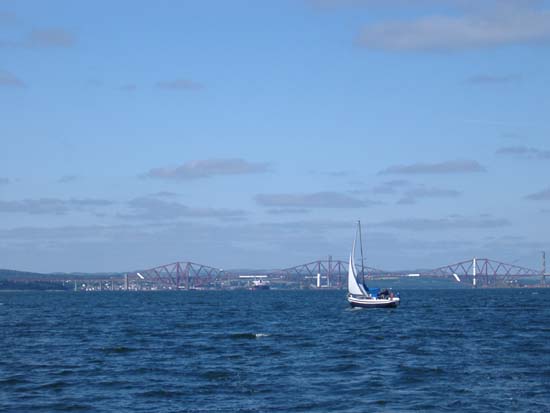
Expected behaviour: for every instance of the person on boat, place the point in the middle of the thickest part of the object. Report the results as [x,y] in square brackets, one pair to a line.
[384,294]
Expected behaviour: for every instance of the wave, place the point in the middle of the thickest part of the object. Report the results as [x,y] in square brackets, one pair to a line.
[247,336]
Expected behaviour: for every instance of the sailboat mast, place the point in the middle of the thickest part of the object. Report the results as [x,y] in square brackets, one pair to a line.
[362,260]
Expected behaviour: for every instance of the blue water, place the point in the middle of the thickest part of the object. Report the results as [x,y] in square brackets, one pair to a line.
[274,351]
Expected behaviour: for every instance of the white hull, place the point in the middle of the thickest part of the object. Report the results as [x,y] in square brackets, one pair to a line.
[370,302]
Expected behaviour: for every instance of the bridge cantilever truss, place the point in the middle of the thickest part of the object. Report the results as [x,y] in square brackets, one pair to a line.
[485,271]
[328,272]
[189,275]
[333,273]
[182,275]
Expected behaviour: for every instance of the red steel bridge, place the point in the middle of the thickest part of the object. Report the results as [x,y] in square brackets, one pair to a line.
[330,273]
[485,272]
[326,273]
[184,275]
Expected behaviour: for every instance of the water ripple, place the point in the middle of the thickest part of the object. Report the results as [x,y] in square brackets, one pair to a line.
[291,351]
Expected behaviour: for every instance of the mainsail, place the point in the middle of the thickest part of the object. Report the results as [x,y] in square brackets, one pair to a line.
[353,286]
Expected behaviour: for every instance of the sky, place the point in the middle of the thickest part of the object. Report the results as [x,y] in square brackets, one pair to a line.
[254,134]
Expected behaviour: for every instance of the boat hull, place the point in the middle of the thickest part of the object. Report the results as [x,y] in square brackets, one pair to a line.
[260,287]
[365,302]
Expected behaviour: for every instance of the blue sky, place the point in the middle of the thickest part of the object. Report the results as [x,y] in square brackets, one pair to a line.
[254,134]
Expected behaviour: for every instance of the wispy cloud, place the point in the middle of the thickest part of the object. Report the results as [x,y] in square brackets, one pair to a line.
[543,195]
[131,87]
[7,18]
[208,168]
[147,208]
[67,178]
[444,224]
[138,244]
[9,79]
[180,84]
[495,122]
[288,211]
[464,5]
[391,187]
[421,191]
[524,152]
[312,200]
[49,38]
[488,79]
[335,174]
[448,167]
[505,23]
[95,82]
[389,4]
[43,39]
[164,194]
[51,206]
[411,192]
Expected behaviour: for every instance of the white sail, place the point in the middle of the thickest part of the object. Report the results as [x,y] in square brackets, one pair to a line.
[353,286]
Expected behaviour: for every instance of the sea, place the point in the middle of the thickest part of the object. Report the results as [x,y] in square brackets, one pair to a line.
[485,350]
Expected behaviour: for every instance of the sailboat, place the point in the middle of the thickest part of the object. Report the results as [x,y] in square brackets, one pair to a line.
[359,295]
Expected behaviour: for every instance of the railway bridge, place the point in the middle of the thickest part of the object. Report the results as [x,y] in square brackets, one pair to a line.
[324,273]
[478,272]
